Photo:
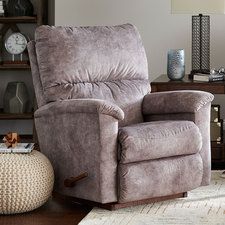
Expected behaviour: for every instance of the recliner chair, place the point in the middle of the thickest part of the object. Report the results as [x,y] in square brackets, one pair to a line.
[96,115]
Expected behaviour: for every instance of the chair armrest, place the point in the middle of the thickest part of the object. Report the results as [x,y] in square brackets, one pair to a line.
[184,105]
[81,136]
[80,106]
[175,102]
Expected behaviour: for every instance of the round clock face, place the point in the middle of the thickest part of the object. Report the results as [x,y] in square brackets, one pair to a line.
[16,43]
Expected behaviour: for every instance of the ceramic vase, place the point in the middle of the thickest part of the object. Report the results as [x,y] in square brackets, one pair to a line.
[16,98]
[20,8]
[175,64]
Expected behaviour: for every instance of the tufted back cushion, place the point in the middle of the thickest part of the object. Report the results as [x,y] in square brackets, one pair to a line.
[103,62]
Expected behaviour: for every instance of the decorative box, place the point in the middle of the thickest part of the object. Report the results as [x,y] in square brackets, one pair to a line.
[216,130]
[215,113]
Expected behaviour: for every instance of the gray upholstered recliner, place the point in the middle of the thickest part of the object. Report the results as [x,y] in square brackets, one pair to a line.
[96,115]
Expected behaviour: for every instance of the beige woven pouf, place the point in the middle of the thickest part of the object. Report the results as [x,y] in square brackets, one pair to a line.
[26,181]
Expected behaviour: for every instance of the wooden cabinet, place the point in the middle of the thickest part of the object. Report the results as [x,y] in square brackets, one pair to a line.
[162,83]
[14,24]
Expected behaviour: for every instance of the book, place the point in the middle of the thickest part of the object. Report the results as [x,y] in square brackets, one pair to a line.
[208,77]
[20,148]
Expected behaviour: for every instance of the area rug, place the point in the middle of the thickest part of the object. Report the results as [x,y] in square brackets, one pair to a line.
[203,206]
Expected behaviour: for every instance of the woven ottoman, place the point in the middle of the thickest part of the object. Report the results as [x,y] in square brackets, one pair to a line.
[26,181]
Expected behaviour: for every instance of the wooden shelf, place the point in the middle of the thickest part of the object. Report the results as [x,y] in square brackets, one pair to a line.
[19,19]
[11,23]
[14,67]
[163,83]
[12,116]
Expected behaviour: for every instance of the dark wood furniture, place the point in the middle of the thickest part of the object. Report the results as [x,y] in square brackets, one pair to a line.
[24,116]
[163,83]
[54,212]
[115,205]
[10,23]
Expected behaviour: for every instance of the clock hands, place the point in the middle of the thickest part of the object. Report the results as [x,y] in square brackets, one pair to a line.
[17,39]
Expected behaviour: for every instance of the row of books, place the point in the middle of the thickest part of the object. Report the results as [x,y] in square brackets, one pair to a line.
[208,77]
[20,148]
[2,8]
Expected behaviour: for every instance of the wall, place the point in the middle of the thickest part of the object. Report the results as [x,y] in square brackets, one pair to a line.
[159,29]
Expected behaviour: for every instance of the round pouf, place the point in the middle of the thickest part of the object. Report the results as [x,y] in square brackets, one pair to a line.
[26,181]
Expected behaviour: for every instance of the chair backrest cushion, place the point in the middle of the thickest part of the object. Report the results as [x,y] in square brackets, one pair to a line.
[103,62]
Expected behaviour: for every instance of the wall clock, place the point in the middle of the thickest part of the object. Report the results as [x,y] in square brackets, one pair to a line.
[16,44]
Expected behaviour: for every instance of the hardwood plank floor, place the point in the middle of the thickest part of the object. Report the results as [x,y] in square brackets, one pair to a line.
[54,212]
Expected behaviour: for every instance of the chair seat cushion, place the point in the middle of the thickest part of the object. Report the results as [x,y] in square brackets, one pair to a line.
[154,140]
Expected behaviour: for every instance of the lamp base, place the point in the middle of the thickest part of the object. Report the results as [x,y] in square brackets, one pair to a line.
[200,44]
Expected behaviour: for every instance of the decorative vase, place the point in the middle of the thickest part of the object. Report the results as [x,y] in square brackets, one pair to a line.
[16,98]
[175,64]
[20,8]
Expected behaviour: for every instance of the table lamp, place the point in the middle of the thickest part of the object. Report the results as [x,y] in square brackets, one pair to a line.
[200,28]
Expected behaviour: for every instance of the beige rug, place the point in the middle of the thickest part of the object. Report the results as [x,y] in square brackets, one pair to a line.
[203,206]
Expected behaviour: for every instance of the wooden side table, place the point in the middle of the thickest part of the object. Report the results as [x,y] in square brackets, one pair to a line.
[163,83]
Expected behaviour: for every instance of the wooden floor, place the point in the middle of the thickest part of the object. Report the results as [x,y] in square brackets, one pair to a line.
[54,212]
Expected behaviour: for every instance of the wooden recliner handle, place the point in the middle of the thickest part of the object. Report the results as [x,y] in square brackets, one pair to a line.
[70,182]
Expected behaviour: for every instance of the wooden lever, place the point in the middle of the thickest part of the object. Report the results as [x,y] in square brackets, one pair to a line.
[70,182]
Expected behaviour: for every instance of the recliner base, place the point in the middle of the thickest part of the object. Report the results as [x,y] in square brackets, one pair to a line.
[116,205]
